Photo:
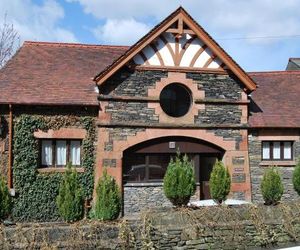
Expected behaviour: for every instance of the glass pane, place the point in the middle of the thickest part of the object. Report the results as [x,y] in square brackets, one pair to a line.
[175,100]
[158,164]
[61,153]
[287,150]
[276,150]
[75,153]
[134,168]
[266,151]
[47,152]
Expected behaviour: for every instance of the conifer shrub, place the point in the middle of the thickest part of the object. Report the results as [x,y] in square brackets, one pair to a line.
[5,199]
[296,178]
[179,181]
[108,200]
[271,186]
[219,182]
[70,197]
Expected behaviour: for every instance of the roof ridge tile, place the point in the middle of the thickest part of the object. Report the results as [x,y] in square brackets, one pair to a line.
[275,72]
[81,45]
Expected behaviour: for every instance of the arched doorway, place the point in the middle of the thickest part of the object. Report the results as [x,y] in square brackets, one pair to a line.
[145,163]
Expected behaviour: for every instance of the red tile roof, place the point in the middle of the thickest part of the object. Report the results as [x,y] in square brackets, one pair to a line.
[55,73]
[276,101]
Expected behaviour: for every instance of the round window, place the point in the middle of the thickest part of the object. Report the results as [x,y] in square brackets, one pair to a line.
[175,100]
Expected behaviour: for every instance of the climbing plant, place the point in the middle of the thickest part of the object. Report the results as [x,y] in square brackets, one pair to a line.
[35,192]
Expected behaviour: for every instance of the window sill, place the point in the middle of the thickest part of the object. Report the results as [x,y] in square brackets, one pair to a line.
[58,170]
[277,163]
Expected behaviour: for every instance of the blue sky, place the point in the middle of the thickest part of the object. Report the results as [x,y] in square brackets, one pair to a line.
[236,24]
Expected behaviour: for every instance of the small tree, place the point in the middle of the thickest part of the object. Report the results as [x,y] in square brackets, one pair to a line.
[219,182]
[70,197]
[9,41]
[5,200]
[179,181]
[296,178]
[108,200]
[271,186]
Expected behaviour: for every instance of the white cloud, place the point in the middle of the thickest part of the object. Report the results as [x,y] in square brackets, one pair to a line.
[36,22]
[222,17]
[123,32]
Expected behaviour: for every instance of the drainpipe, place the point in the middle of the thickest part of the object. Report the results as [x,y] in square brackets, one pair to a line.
[10,154]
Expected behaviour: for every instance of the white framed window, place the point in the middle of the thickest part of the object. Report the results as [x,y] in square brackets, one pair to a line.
[266,150]
[57,153]
[47,153]
[277,150]
[75,152]
[61,153]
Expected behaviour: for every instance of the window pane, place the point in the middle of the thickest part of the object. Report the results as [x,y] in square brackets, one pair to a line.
[134,168]
[47,152]
[266,151]
[287,150]
[158,164]
[276,150]
[61,153]
[75,153]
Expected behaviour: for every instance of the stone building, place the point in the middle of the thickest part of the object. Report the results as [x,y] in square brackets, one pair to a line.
[176,88]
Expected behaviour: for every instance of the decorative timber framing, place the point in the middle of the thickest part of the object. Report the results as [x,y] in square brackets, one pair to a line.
[179,23]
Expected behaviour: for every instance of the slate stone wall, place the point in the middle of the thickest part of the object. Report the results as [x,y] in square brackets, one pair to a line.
[139,198]
[132,83]
[142,197]
[219,227]
[218,86]
[257,171]
[126,112]
[219,114]
[136,83]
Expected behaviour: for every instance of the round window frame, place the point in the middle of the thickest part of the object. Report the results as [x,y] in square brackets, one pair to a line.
[186,89]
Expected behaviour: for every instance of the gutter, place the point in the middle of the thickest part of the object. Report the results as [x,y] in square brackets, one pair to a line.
[10,149]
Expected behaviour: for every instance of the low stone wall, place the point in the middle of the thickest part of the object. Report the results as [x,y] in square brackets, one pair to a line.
[140,197]
[220,227]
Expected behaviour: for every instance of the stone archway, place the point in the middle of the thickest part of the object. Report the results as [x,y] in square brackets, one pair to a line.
[145,164]
[235,156]
[113,158]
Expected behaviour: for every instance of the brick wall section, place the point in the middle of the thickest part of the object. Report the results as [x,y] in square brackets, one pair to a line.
[257,171]
[230,135]
[218,86]
[119,134]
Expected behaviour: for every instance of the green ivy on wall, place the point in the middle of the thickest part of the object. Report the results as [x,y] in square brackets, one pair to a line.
[36,193]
